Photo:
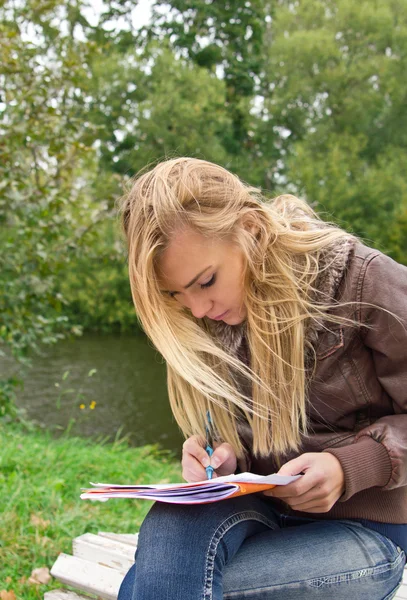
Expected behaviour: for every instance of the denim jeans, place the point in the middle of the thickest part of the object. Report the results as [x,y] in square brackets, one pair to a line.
[244,548]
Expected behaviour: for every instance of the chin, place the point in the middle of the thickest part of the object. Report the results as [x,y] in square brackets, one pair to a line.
[234,319]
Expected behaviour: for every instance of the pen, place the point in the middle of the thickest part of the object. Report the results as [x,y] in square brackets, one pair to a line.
[209,469]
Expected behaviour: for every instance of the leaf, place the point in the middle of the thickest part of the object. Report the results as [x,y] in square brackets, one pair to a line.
[5,595]
[40,575]
[65,375]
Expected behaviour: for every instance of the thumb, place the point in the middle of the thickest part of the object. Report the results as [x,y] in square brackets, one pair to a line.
[220,455]
[295,466]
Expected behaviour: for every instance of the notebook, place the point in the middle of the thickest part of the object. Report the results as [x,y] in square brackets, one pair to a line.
[201,492]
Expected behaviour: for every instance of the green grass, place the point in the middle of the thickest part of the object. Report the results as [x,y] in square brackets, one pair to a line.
[40,508]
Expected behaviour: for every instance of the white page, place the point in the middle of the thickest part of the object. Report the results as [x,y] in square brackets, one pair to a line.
[240,478]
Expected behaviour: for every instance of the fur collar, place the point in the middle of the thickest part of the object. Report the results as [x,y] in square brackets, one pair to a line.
[230,336]
[334,262]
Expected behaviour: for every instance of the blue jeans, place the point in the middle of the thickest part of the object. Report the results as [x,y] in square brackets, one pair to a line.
[244,548]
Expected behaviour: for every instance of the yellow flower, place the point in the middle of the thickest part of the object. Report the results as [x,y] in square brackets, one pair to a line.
[92,405]
[81,406]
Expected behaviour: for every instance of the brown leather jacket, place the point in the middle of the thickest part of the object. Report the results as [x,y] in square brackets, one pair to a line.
[358,394]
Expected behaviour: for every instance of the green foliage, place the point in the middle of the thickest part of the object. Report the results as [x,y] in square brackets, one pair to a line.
[109,307]
[339,91]
[225,38]
[226,34]
[7,397]
[182,113]
[46,209]
[368,198]
[40,508]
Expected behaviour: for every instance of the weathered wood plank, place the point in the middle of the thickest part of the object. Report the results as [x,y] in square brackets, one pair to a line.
[87,576]
[104,551]
[125,538]
[401,593]
[63,595]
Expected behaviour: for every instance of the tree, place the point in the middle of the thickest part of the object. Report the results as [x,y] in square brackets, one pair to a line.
[46,210]
[225,38]
[339,95]
[181,113]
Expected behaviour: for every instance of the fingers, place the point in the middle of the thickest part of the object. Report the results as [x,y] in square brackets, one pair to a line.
[295,489]
[224,459]
[301,486]
[297,465]
[320,486]
[315,500]
[311,503]
[194,446]
[195,459]
[192,470]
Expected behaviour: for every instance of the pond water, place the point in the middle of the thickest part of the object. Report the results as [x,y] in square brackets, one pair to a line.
[102,385]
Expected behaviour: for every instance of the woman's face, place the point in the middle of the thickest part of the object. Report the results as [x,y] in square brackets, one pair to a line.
[204,275]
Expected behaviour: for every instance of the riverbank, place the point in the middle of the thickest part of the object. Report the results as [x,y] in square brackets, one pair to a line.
[96,384]
[40,508]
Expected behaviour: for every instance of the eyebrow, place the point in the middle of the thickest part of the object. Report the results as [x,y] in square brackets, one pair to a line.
[191,282]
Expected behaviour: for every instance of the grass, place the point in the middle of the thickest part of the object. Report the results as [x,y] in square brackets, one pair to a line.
[40,508]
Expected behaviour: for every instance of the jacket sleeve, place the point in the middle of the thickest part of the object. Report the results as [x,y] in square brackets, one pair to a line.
[378,455]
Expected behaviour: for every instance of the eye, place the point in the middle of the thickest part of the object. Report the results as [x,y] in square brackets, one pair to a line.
[210,282]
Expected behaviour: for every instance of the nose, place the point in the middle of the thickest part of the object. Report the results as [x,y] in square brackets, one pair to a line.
[200,307]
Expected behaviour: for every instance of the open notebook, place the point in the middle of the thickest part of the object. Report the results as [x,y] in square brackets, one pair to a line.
[201,492]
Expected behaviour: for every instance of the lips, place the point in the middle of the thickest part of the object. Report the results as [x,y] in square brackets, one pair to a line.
[219,317]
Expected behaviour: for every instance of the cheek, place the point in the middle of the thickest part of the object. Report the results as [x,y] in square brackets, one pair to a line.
[234,291]
[240,279]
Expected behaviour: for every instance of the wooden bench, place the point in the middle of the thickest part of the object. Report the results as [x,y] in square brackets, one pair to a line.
[98,566]
[100,562]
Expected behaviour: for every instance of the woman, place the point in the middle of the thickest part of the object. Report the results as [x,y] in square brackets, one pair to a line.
[292,334]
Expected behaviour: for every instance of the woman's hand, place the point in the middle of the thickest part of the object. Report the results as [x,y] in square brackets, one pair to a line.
[195,459]
[317,490]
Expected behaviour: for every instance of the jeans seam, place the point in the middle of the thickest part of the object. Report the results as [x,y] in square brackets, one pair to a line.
[216,538]
[352,575]
[340,578]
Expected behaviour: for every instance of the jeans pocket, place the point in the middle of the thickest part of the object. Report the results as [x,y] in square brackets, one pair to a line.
[392,547]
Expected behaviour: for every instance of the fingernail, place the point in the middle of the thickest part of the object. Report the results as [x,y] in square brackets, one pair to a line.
[205,461]
[215,462]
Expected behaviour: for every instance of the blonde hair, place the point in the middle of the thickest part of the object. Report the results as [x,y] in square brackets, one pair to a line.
[282,265]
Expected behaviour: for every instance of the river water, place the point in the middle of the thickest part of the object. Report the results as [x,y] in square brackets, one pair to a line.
[102,385]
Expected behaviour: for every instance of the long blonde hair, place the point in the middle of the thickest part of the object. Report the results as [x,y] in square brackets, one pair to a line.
[282,266]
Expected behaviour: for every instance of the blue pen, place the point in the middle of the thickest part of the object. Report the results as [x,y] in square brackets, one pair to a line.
[209,470]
